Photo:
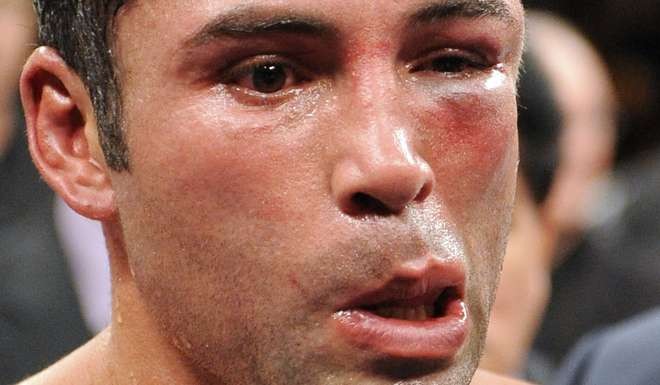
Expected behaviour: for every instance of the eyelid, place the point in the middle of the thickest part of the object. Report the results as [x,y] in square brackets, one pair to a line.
[475,59]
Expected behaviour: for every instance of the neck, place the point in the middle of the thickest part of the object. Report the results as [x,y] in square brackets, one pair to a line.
[133,349]
[136,334]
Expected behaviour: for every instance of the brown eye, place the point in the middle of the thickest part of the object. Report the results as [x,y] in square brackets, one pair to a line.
[268,78]
[264,76]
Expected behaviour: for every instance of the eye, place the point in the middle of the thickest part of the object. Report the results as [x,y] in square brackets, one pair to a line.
[264,75]
[450,64]
[268,78]
[451,61]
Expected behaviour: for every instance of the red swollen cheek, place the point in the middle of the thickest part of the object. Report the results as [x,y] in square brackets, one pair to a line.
[473,144]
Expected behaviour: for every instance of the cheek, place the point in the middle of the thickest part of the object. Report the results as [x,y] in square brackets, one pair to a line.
[207,197]
[201,162]
[212,201]
[474,151]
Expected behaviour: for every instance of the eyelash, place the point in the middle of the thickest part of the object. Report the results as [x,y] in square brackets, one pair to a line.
[470,62]
[293,73]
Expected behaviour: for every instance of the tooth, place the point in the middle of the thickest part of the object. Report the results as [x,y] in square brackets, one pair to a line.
[415,314]
[429,311]
[421,313]
[411,314]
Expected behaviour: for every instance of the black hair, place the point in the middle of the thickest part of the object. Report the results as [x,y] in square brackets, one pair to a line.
[81,30]
[539,126]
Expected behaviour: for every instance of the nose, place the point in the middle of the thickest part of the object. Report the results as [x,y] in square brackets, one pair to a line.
[381,176]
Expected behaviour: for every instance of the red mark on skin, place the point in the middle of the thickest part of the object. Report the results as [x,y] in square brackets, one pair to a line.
[363,60]
[369,49]
[295,283]
[298,287]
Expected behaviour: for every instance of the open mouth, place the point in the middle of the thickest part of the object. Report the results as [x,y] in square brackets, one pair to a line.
[418,309]
[416,314]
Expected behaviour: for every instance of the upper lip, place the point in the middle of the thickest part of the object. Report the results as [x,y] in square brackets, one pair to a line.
[411,285]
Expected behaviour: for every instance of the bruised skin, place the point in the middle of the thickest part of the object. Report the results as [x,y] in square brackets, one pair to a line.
[237,220]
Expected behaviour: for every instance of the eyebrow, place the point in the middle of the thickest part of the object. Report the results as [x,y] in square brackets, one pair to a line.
[440,10]
[254,20]
[258,21]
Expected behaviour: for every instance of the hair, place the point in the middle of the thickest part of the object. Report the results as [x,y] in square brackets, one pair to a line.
[81,30]
[539,125]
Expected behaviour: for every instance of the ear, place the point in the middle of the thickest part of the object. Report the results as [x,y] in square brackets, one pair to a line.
[63,137]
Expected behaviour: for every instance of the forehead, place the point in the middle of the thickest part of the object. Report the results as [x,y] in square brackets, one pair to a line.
[176,17]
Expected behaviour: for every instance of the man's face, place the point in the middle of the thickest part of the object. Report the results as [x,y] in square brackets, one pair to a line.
[319,191]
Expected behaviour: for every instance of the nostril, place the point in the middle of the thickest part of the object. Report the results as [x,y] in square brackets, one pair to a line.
[382,187]
[424,192]
[365,204]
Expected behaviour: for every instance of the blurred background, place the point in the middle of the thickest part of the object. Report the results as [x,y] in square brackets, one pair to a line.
[627,34]
[614,273]
[589,194]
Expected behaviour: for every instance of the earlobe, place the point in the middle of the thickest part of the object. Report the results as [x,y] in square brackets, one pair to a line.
[61,129]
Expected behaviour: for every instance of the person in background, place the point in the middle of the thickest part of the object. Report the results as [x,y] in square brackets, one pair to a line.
[17,32]
[584,279]
[613,292]
[626,353]
[584,93]
[625,347]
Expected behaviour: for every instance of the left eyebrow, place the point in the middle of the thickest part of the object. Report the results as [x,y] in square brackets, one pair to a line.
[247,22]
[437,11]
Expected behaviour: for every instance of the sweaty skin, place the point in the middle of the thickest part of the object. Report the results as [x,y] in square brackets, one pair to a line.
[284,157]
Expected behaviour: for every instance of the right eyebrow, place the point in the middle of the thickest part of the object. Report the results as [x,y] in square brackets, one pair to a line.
[438,10]
[251,21]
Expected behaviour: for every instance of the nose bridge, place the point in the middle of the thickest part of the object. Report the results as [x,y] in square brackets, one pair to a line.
[378,116]
[387,146]
[381,170]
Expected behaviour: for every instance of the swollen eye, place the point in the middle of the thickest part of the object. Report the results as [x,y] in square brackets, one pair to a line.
[268,78]
[449,64]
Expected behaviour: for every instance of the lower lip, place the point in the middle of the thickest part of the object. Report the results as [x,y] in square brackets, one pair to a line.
[438,338]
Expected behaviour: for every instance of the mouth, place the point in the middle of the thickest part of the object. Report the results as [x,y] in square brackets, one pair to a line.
[419,313]
[429,306]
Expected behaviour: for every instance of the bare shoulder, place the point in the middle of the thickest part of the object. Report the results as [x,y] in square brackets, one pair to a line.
[80,367]
[54,375]
[483,377]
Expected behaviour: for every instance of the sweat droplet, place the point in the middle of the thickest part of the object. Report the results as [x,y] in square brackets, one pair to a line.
[182,343]
[495,80]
